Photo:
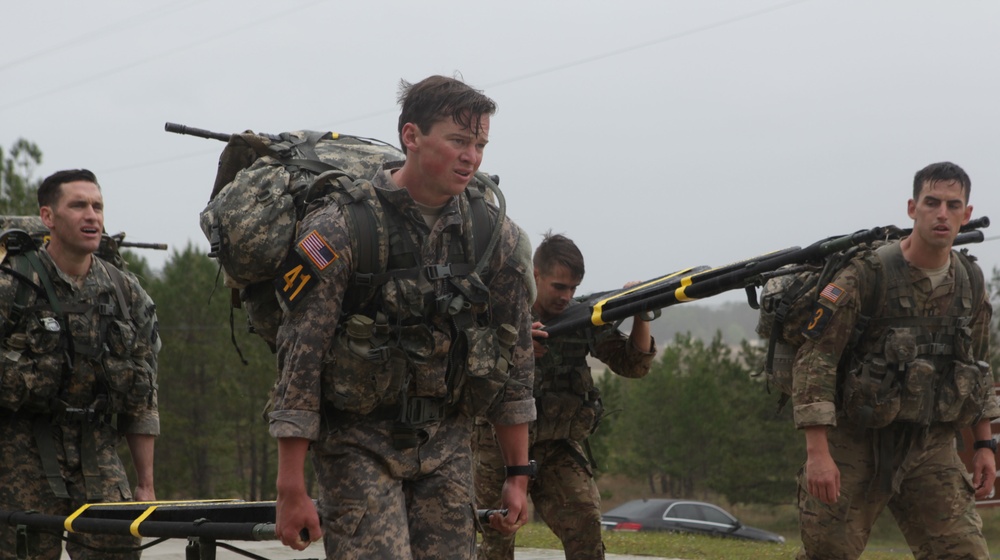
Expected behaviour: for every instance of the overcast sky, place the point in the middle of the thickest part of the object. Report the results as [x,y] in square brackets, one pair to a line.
[657,134]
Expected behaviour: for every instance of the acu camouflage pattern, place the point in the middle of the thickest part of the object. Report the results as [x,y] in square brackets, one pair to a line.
[115,354]
[568,409]
[263,186]
[24,488]
[127,369]
[930,492]
[778,292]
[419,499]
[376,501]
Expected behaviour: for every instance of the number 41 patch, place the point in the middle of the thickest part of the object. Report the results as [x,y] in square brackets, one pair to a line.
[296,279]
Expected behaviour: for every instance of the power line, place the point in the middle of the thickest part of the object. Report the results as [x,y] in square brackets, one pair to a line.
[164,54]
[668,38]
[549,70]
[101,32]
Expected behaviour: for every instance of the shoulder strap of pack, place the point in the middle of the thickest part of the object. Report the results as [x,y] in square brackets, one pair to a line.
[20,270]
[879,264]
[118,281]
[485,234]
[481,227]
[976,280]
[363,215]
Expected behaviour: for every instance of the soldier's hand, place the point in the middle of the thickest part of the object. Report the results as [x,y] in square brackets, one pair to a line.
[514,497]
[296,521]
[984,472]
[822,477]
[537,333]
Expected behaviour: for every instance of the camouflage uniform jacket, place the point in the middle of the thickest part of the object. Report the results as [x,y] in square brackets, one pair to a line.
[308,329]
[563,379]
[815,381]
[127,353]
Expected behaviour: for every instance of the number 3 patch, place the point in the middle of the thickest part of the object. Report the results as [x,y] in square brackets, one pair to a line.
[818,320]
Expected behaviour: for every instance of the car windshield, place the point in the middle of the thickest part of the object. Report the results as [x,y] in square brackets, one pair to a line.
[632,509]
[699,512]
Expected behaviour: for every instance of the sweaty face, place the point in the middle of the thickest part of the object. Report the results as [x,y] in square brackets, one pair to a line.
[448,156]
[555,290]
[76,220]
[938,214]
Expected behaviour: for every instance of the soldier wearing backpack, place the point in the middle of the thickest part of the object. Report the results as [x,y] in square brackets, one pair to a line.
[78,372]
[381,379]
[880,418]
[568,408]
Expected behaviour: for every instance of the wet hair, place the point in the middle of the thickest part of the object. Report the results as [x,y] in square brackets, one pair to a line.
[554,249]
[436,98]
[50,190]
[943,171]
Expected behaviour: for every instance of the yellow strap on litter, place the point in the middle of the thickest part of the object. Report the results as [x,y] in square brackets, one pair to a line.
[134,527]
[595,316]
[679,292]
[68,524]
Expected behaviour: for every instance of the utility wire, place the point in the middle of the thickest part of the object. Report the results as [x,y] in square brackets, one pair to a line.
[102,32]
[668,38]
[163,54]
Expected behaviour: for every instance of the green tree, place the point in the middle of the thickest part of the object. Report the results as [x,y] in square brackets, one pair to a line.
[17,188]
[700,423]
[214,441]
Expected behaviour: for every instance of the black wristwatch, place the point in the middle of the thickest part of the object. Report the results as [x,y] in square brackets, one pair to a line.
[530,470]
[984,443]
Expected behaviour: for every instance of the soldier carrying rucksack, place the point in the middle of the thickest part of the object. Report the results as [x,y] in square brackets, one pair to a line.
[78,370]
[402,300]
[880,413]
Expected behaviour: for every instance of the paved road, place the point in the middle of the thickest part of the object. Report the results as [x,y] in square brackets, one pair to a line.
[174,549]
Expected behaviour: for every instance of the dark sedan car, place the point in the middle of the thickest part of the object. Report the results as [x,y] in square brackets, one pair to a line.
[683,516]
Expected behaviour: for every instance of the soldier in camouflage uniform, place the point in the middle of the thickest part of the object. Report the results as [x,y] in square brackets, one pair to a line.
[568,409]
[383,389]
[78,371]
[880,429]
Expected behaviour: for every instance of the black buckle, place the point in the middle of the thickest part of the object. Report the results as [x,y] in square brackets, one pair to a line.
[422,410]
[363,279]
[438,271]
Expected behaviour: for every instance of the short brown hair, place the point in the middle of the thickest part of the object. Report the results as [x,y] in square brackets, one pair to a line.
[556,248]
[438,97]
[50,189]
[943,171]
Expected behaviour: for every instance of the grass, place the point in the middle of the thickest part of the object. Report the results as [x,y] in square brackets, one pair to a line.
[886,542]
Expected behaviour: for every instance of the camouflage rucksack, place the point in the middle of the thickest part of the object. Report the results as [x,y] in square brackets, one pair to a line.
[264,187]
[787,302]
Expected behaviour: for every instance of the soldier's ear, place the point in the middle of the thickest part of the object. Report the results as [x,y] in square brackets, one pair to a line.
[45,213]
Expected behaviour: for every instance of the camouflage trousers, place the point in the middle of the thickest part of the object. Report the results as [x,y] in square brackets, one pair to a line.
[564,494]
[930,496]
[378,502]
[23,487]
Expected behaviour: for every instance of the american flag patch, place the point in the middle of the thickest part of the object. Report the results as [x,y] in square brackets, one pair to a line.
[832,292]
[317,249]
